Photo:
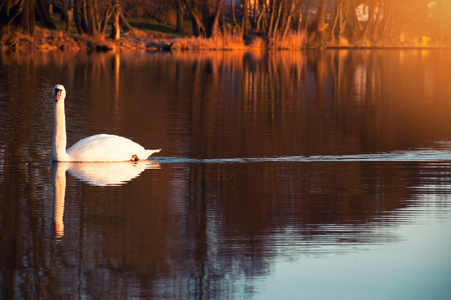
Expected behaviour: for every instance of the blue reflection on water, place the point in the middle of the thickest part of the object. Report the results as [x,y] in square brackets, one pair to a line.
[412,269]
[410,155]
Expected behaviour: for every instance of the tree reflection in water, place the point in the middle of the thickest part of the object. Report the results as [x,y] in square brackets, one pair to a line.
[200,228]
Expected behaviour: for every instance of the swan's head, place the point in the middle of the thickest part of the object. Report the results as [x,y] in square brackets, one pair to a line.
[58,93]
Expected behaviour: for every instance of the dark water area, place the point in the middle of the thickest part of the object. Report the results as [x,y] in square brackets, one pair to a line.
[292,175]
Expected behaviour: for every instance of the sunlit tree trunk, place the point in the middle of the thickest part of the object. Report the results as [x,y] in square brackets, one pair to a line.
[259,26]
[116,30]
[339,20]
[316,34]
[274,16]
[244,17]
[320,24]
[289,11]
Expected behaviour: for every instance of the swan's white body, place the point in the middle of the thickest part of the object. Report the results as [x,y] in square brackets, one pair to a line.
[99,147]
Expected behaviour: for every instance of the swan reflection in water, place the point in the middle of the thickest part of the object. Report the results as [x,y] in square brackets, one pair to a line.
[94,173]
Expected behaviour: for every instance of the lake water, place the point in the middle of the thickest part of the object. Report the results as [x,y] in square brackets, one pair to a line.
[283,175]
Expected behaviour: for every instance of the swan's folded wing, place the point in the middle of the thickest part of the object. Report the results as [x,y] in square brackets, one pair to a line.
[104,147]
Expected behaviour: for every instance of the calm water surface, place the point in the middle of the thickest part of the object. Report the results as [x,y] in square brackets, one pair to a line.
[290,175]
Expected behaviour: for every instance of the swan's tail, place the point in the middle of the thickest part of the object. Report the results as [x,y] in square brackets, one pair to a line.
[146,153]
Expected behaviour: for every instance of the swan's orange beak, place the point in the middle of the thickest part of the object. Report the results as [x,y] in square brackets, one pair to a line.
[57,95]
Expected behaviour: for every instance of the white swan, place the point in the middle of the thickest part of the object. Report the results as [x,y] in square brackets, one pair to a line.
[99,147]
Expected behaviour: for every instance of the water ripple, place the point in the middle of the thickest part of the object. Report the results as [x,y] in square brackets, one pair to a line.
[413,155]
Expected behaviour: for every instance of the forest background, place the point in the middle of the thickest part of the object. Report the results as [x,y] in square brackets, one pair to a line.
[224,24]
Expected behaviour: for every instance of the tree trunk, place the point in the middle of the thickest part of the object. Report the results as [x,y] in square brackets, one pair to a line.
[320,18]
[10,12]
[338,22]
[306,16]
[27,18]
[232,6]
[66,14]
[316,31]
[271,18]
[212,23]
[353,26]
[42,14]
[287,25]
[85,17]
[93,18]
[386,17]
[198,27]
[279,15]
[124,23]
[179,28]
[116,30]
[77,16]
[244,16]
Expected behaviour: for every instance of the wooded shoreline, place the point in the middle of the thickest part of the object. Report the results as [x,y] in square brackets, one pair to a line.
[180,25]
[53,40]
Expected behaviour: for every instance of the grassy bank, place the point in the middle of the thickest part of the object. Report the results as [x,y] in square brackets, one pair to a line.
[149,34]
[152,35]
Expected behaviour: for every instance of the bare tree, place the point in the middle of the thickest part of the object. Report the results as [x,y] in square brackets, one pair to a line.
[358,22]
[21,15]
[179,9]
[116,30]
[42,14]
[66,14]
[204,15]
[232,7]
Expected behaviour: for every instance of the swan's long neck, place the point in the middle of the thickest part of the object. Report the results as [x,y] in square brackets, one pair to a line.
[59,133]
